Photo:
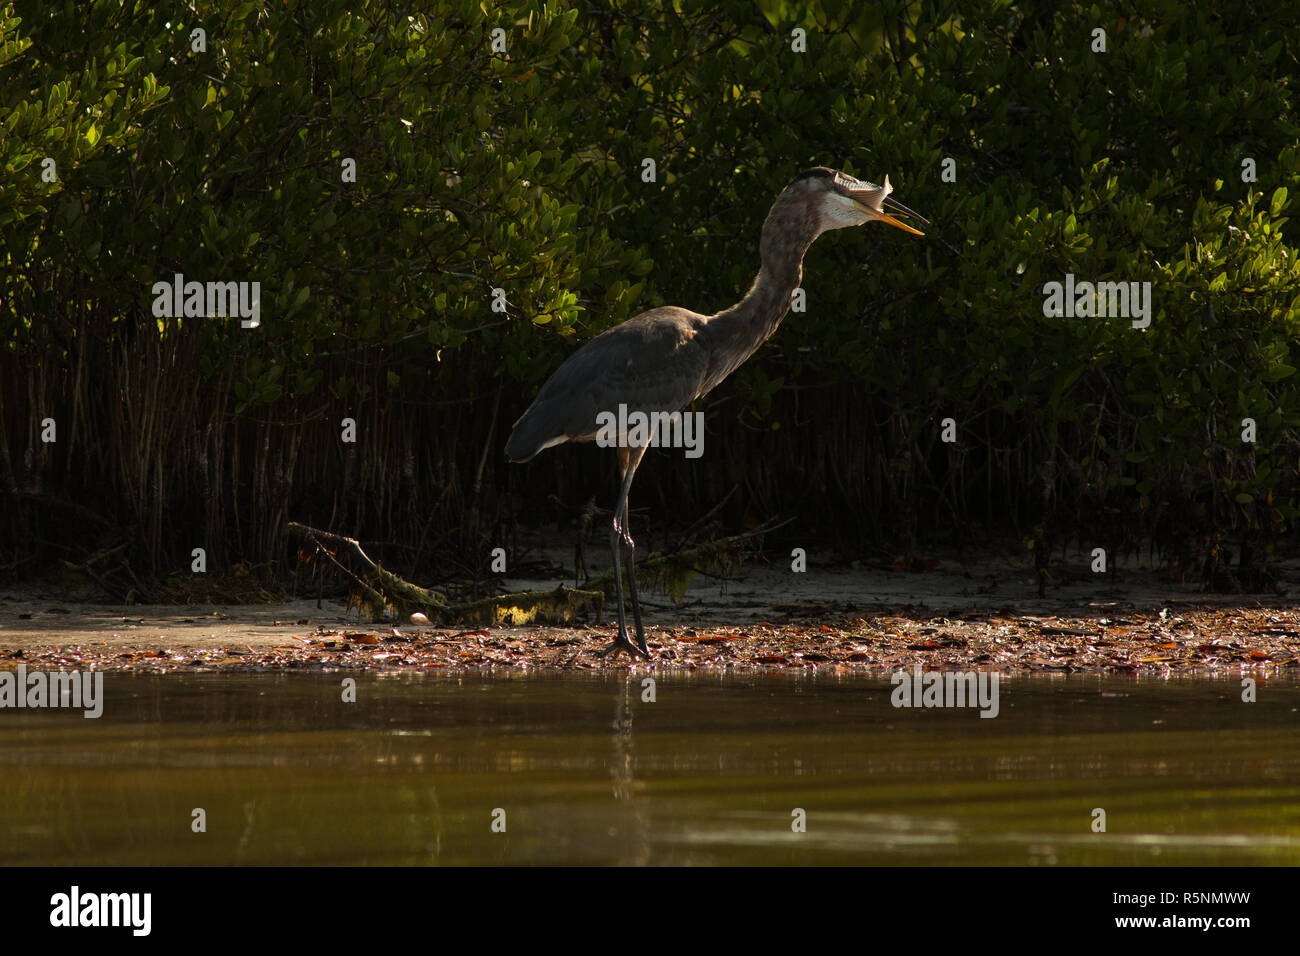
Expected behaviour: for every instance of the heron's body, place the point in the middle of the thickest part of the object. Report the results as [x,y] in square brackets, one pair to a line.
[623,362]
[666,358]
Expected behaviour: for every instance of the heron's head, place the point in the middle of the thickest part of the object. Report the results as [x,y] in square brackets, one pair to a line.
[836,200]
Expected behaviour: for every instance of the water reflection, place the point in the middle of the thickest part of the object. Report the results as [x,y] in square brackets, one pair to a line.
[592,768]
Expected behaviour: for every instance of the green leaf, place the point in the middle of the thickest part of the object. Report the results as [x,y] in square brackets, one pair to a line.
[1278,372]
[1279,200]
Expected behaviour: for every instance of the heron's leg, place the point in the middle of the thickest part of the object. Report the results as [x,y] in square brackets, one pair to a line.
[630,560]
[616,550]
[628,459]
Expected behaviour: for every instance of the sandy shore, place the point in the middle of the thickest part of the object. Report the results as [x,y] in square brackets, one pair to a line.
[949,614]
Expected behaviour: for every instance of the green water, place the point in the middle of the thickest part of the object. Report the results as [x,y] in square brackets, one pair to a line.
[709,773]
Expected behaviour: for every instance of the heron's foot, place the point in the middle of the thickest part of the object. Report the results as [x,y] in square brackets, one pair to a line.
[621,643]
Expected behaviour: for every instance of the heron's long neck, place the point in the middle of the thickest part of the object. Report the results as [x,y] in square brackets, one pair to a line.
[736,333]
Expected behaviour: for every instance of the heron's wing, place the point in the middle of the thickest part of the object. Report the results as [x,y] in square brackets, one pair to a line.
[651,363]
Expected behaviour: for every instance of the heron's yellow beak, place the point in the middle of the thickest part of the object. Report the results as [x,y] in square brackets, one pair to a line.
[883,217]
[895,207]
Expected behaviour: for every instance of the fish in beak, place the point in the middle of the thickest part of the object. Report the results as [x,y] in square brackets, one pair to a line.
[875,202]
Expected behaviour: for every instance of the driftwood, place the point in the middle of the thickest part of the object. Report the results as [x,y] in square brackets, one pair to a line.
[384,594]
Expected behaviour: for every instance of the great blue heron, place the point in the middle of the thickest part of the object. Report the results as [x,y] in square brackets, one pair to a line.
[662,360]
